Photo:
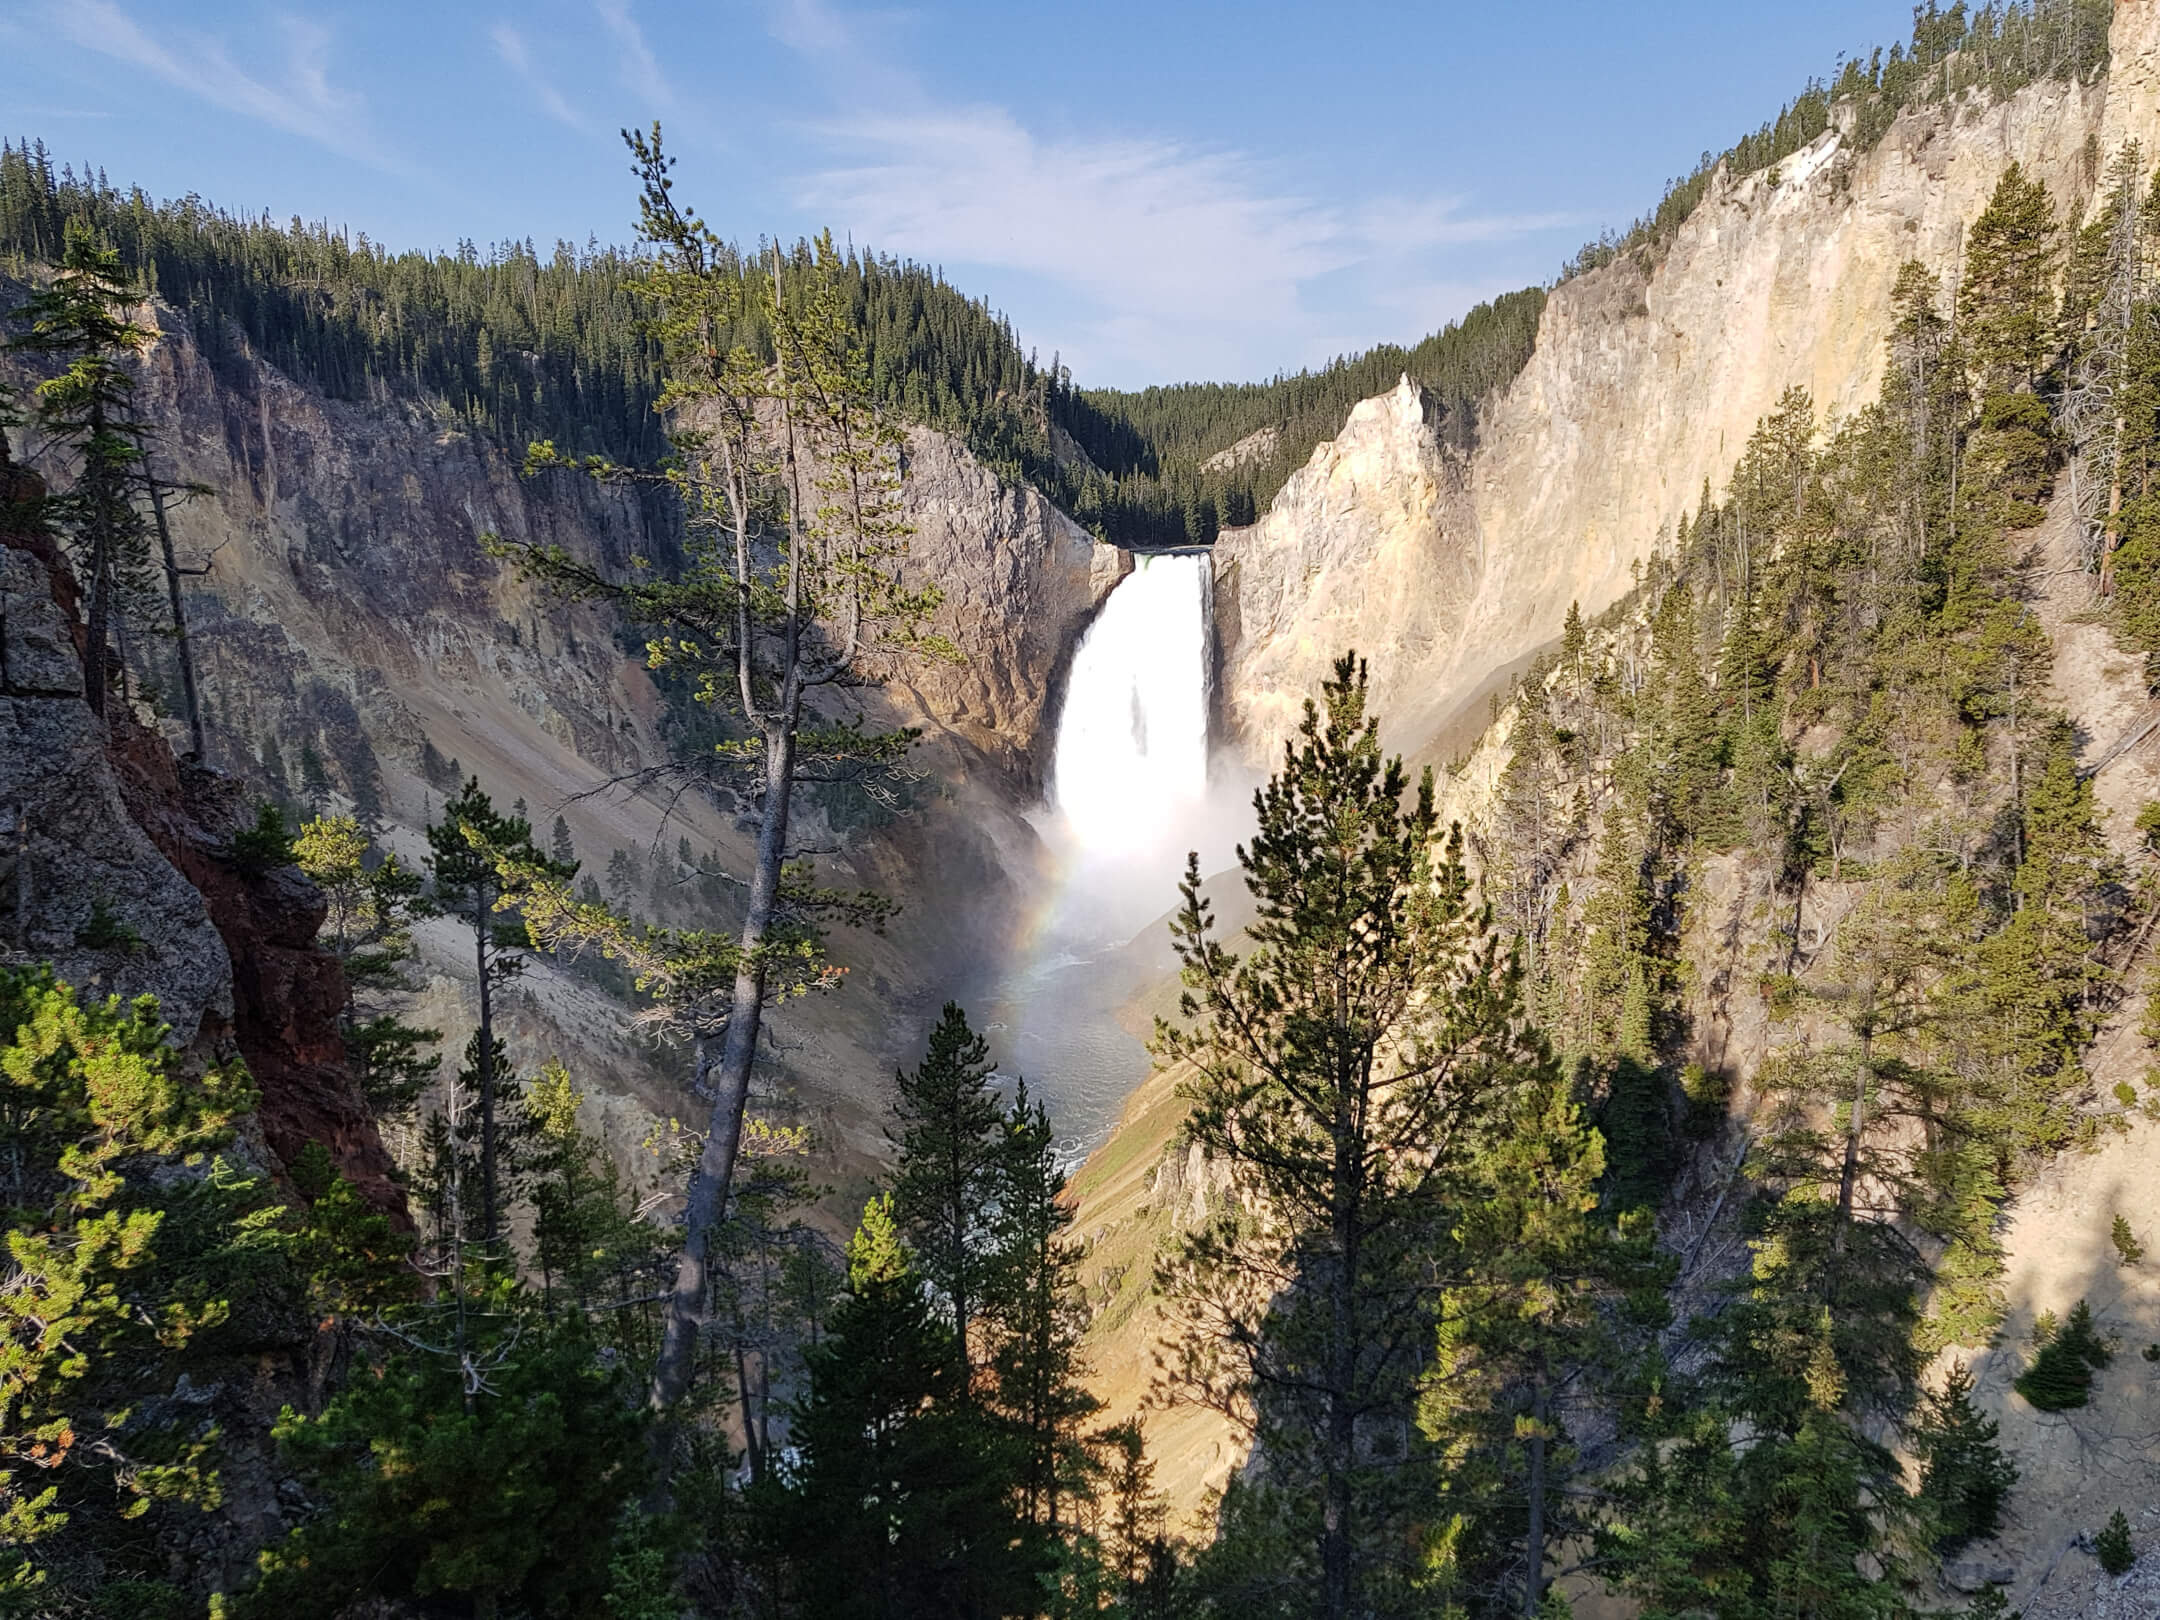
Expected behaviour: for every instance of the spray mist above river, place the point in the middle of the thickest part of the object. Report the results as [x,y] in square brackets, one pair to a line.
[1131,792]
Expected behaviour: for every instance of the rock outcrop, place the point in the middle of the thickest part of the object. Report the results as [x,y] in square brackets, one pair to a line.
[111,870]
[1021,581]
[1364,547]
[1647,378]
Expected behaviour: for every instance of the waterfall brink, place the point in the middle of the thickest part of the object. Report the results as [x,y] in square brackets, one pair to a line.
[1132,747]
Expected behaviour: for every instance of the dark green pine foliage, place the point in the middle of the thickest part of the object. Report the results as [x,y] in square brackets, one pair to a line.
[1806,1517]
[506,1498]
[952,1158]
[2115,378]
[521,344]
[2113,1547]
[1036,1300]
[773,1284]
[1964,1476]
[899,1505]
[485,1451]
[1852,616]
[586,1247]
[468,848]
[2060,1377]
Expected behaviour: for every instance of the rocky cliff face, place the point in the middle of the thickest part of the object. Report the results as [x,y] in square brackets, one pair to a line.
[1647,378]
[1444,568]
[1021,581]
[1364,547]
[348,612]
[110,869]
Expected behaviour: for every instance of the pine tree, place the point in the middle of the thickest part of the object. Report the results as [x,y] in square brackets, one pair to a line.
[1807,1517]
[1833,1501]
[2060,1377]
[507,1497]
[760,1313]
[470,848]
[1134,1533]
[2128,1251]
[1034,1297]
[1342,1072]
[1533,819]
[1964,1476]
[792,437]
[1574,648]
[946,1184]
[314,779]
[2006,307]
[368,928]
[901,1505]
[88,411]
[2112,1545]
[585,1243]
[1526,1331]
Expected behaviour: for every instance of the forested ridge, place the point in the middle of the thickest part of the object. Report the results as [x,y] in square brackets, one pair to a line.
[522,346]
[1993,49]
[1811,763]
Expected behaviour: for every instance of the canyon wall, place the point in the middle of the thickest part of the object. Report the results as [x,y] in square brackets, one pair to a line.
[345,611]
[113,869]
[1648,377]
[1445,569]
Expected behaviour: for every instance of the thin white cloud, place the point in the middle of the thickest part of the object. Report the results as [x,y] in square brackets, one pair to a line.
[1183,261]
[510,46]
[301,100]
[812,26]
[640,68]
[1189,256]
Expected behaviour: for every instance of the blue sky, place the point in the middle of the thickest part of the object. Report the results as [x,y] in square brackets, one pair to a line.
[1158,192]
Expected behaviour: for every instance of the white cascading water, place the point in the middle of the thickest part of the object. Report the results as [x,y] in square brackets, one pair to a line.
[1132,747]
[1129,796]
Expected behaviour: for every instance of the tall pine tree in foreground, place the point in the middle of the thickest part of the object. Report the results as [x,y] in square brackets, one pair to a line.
[789,475]
[945,1188]
[1035,1300]
[1345,1069]
[899,1506]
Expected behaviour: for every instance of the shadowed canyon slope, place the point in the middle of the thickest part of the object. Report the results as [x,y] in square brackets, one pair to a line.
[347,611]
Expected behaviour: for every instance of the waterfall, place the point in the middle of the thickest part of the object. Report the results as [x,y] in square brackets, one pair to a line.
[1129,796]
[1132,748]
